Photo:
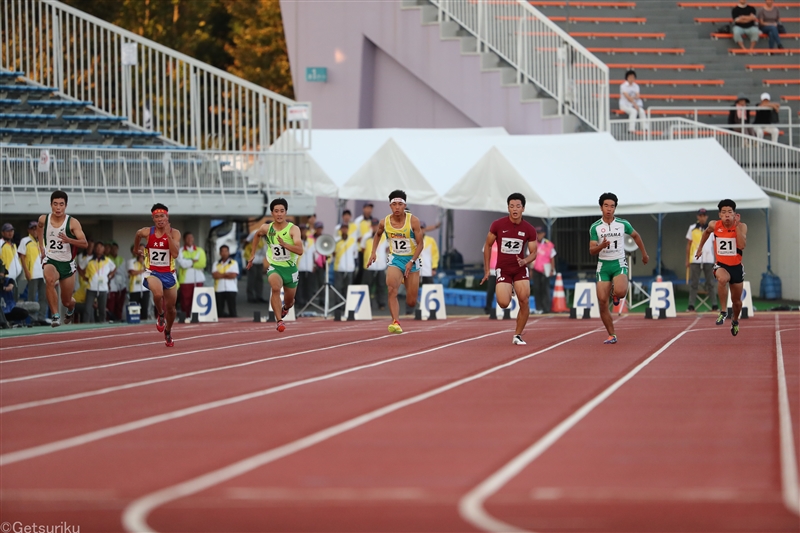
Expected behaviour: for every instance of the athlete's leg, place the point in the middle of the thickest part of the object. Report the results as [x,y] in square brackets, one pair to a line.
[603,296]
[736,300]
[503,292]
[723,277]
[412,290]
[67,288]
[275,283]
[170,297]
[394,277]
[51,279]
[157,289]
[289,297]
[620,285]
[523,290]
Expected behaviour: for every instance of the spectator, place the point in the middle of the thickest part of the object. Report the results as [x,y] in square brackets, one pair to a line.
[118,285]
[344,259]
[9,253]
[346,221]
[310,224]
[99,273]
[745,22]
[429,256]
[769,20]
[491,283]
[191,262]
[631,102]
[375,274]
[84,256]
[255,274]
[79,295]
[11,311]
[319,263]
[704,264]
[363,225]
[138,292]
[32,267]
[226,270]
[543,267]
[766,114]
[740,115]
[305,269]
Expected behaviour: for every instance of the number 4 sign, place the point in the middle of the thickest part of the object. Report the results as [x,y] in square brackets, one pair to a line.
[586,297]
[204,304]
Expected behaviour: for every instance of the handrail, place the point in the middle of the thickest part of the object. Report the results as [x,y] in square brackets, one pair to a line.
[156,88]
[775,167]
[540,51]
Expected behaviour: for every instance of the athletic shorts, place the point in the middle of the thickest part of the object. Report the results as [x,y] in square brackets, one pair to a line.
[507,275]
[168,280]
[289,275]
[400,261]
[609,269]
[736,271]
[65,268]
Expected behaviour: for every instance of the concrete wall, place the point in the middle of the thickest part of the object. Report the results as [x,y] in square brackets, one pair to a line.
[387,69]
[785,233]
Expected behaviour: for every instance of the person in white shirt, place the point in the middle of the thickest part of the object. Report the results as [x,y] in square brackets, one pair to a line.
[191,263]
[375,274]
[99,273]
[118,286]
[255,274]
[32,267]
[225,274]
[345,256]
[305,269]
[136,289]
[703,264]
[630,101]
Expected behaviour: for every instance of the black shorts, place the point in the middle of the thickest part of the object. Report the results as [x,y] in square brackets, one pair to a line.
[736,272]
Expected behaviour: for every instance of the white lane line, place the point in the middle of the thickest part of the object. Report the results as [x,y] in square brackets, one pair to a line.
[135,516]
[470,507]
[44,449]
[76,352]
[136,384]
[154,358]
[789,482]
[138,331]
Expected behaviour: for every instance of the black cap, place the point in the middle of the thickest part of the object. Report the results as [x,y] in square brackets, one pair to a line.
[702,211]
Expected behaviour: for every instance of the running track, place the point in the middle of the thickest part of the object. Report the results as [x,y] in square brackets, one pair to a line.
[448,427]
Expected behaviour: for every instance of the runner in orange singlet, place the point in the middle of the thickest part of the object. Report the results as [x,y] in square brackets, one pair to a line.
[731,238]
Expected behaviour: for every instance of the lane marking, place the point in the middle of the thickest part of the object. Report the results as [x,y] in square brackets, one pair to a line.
[471,508]
[789,482]
[135,515]
[157,357]
[71,442]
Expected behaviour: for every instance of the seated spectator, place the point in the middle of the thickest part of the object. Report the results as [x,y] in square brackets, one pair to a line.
[12,311]
[766,114]
[630,102]
[225,274]
[745,22]
[769,18]
[740,115]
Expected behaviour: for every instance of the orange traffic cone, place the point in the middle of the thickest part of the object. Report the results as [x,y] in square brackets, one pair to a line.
[559,297]
[621,307]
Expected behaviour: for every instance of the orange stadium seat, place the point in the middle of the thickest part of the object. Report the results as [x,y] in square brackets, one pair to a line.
[615,5]
[680,112]
[654,66]
[685,97]
[763,36]
[730,5]
[772,67]
[615,20]
[676,83]
[659,51]
[718,20]
[617,35]
[763,51]
[791,98]
[781,82]
[546,3]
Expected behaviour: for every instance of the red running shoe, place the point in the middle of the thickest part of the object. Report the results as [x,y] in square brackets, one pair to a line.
[168,339]
[281,326]
[161,323]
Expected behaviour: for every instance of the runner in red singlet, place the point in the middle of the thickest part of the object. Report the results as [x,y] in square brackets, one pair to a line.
[163,244]
[512,234]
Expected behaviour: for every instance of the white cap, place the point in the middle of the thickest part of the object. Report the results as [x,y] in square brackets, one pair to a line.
[765,96]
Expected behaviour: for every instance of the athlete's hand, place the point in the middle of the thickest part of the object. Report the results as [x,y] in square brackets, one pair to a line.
[281,241]
[605,244]
[372,259]
[736,219]
[521,262]
[698,254]
[62,237]
[645,258]
[408,268]
[249,264]
[485,277]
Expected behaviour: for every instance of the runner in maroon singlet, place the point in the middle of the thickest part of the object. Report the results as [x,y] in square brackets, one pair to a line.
[512,234]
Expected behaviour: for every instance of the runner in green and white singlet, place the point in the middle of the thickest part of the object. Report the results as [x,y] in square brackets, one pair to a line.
[59,237]
[607,241]
[282,254]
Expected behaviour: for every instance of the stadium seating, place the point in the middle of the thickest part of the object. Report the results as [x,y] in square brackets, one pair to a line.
[31,114]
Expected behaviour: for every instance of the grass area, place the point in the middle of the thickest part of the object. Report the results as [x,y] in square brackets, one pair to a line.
[18,332]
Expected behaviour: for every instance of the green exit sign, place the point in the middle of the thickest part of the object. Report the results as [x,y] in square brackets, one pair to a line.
[317,74]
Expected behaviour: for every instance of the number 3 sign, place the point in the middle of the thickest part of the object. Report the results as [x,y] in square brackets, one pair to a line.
[204,304]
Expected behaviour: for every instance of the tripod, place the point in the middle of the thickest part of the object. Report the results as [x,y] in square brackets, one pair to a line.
[327,287]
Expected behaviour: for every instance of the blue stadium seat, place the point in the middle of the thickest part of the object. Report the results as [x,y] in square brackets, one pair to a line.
[128,133]
[92,118]
[10,101]
[57,103]
[6,74]
[43,134]
[5,90]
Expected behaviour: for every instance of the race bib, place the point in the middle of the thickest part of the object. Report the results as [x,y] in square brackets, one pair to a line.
[511,246]
[726,247]
[279,253]
[401,246]
[159,258]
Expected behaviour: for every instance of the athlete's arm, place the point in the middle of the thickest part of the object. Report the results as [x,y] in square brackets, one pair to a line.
[256,243]
[706,234]
[296,248]
[142,233]
[420,244]
[487,255]
[533,248]
[595,247]
[174,238]
[638,240]
[375,240]
[80,239]
[40,236]
[741,233]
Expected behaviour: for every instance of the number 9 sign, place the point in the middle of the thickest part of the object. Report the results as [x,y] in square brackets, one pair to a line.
[204,304]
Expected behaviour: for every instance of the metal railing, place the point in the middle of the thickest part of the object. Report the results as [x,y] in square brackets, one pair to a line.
[541,52]
[155,88]
[158,173]
[773,166]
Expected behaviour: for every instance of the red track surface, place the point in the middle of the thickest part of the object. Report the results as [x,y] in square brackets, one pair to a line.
[690,443]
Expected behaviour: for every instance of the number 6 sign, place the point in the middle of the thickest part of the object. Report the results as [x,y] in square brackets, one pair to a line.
[204,304]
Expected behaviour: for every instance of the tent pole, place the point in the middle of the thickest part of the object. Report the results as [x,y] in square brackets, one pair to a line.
[658,250]
[769,243]
[448,239]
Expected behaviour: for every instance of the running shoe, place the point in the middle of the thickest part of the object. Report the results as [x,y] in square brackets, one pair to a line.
[518,340]
[615,299]
[56,320]
[161,323]
[281,326]
[168,339]
[284,311]
[612,339]
[721,318]
[394,327]
[734,327]
[68,316]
